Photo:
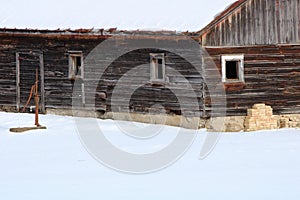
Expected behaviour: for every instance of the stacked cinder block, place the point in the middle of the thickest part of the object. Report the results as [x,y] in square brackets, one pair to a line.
[290,121]
[260,117]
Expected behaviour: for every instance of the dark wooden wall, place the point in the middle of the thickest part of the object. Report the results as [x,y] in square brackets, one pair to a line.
[28,65]
[272,76]
[173,95]
[7,73]
[256,22]
[59,88]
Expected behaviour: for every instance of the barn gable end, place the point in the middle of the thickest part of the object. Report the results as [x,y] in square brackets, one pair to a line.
[258,42]
[254,22]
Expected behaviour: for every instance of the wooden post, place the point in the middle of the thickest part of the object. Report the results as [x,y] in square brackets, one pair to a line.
[42,82]
[36,98]
[204,114]
[18,82]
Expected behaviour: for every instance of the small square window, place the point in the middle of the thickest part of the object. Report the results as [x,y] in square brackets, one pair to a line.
[157,67]
[233,68]
[75,65]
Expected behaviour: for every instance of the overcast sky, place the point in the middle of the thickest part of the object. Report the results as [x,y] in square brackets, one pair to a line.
[178,15]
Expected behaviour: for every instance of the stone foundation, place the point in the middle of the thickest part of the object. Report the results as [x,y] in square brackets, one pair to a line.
[226,124]
[8,108]
[170,120]
[290,121]
[260,117]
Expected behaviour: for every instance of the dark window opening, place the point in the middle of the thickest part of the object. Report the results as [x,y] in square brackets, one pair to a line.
[232,69]
[160,69]
[157,67]
[75,66]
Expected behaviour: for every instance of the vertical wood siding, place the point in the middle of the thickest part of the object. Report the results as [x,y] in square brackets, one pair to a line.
[257,22]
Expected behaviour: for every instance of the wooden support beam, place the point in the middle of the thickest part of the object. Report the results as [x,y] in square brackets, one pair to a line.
[18,81]
[42,81]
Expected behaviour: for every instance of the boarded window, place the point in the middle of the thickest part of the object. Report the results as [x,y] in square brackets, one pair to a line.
[233,68]
[157,67]
[75,65]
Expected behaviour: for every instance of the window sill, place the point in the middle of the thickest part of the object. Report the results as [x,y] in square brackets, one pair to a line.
[157,83]
[73,78]
[234,85]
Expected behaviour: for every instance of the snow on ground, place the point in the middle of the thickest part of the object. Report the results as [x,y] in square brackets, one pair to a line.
[53,164]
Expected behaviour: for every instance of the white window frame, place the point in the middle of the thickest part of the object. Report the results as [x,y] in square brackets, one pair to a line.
[238,58]
[72,61]
[154,67]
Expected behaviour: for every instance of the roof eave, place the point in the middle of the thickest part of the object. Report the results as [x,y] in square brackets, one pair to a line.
[229,10]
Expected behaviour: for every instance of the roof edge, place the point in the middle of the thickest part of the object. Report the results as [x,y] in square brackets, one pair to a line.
[228,10]
[92,32]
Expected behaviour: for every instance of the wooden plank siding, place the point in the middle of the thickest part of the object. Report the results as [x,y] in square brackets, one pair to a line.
[256,22]
[59,88]
[272,76]
[267,33]
[144,97]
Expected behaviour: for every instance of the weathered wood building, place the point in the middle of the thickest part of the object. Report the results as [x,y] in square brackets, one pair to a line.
[256,47]
[22,51]
[61,57]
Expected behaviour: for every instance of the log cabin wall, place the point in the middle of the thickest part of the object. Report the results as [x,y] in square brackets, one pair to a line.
[267,34]
[272,76]
[58,87]
[54,47]
[146,96]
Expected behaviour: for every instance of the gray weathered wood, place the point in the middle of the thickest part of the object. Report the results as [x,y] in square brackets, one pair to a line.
[18,81]
[256,22]
[42,80]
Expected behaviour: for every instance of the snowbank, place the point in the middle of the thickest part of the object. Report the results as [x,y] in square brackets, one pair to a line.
[53,164]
